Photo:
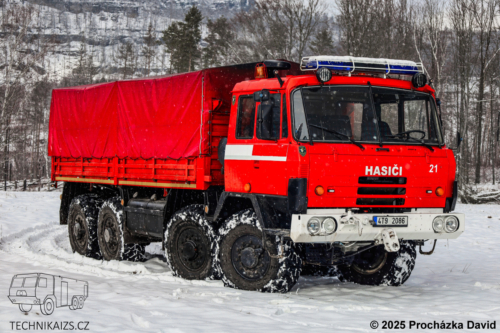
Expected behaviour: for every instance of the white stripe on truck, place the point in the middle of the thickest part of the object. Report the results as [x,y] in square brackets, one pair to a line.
[245,153]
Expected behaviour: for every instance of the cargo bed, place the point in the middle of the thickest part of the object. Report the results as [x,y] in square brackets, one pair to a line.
[156,132]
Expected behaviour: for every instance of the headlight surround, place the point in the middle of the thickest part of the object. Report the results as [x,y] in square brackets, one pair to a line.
[329,225]
[438,224]
[313,226]
[451,224]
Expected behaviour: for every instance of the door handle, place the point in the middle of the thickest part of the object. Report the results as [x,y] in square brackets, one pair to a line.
[256,164]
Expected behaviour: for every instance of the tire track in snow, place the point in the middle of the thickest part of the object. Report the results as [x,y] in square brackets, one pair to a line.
[48,245]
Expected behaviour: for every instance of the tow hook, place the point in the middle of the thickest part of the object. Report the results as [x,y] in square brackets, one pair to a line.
[351,219]
[390,240]
[427,253]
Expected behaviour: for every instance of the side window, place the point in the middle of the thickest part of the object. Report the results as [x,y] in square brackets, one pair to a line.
[42,283]
[30,282]
[17,283]
[299,117]
[275,103]
[246,118]
[276,100]
[284,120]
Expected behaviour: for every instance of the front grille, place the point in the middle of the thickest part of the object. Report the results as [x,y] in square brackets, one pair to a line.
[382,180]
[380,201]
[382,190]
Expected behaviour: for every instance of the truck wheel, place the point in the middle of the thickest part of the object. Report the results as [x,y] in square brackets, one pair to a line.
[189,244]
[245,264]
[74,303]
[25,307]
[82,225]
[110,234]
[377,267]
[47,308]
[81,301]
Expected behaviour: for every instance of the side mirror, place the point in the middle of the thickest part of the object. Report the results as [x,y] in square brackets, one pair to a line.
[459,140]
[261,96]
[265,122]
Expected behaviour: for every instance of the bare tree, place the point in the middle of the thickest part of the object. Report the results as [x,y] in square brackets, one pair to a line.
[376,28]
[463,45]
[278,28]
[485,23]
[22,52]
[431,27]
[126,59]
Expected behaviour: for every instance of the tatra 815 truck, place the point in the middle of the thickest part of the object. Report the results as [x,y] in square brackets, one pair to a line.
[257,173]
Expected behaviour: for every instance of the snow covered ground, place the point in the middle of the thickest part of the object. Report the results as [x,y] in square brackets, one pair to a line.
[460,282]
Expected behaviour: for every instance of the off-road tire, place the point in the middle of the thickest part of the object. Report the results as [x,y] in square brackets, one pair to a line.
[394,268]
[190,244]
[270,274]
[74,303]
[47,308]
[81,302]
[82,225]
[110,234]
[25,307]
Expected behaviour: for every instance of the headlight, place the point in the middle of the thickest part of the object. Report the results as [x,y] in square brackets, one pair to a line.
[313,226]
[451,224]
[329,225]
[438,224]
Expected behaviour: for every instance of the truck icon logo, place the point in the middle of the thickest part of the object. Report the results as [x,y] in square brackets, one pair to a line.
[48,292]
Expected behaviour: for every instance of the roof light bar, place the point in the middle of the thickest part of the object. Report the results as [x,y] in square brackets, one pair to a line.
[358,64]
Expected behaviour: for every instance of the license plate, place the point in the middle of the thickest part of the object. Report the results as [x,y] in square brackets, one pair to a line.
[393,221]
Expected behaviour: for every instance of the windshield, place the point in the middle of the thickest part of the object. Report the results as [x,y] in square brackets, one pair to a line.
[17,282]
[340,113]
[334,113]
[406,111]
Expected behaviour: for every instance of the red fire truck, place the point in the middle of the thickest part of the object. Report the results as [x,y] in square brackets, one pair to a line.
[257,173]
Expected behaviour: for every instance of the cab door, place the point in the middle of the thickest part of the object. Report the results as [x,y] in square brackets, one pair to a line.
[251,159]
[238,163]
[270,153]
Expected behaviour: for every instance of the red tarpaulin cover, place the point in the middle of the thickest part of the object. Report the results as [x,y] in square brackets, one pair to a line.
[143,118]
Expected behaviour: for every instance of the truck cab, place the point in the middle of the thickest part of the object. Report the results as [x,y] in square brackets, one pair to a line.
[354,150]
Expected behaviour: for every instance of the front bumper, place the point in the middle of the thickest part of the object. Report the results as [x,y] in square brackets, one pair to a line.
[24,300]
[359,227]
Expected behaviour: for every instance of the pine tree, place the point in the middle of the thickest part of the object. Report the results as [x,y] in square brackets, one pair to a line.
[172,37]
[192,35]
[323,43]
[219,41]
[148,49]
[182,41]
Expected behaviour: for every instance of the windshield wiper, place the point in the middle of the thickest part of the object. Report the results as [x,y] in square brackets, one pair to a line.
[406,136]
[338,134]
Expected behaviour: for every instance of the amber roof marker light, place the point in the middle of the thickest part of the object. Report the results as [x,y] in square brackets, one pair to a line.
[260,71]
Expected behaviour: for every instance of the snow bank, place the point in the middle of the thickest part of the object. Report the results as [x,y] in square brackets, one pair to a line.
[459,282]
